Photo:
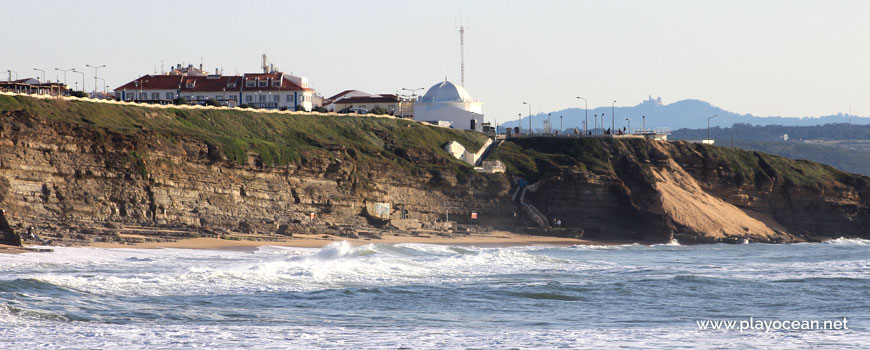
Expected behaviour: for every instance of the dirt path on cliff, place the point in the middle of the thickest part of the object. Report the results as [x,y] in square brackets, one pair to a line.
[688,205]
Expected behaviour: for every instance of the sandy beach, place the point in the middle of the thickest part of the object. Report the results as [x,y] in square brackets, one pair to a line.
[497,238]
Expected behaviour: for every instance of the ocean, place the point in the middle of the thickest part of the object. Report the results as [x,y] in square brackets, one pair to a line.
[418,296]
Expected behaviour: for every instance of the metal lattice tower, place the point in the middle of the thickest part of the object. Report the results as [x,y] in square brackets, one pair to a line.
[462,29]
[462,54]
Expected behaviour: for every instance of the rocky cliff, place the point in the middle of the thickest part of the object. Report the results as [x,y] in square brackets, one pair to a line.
[656,191]
[81,171]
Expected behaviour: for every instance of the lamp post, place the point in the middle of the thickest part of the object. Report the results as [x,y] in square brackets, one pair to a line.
[43,73]
[106,91]
[586,109]
[560,124]
[613,117]
[629,125]
[708,125]
[83,78]
[548,122]
[95,75]
[595,126]
[64,73]
[643,123]
[531,131]
[519,122]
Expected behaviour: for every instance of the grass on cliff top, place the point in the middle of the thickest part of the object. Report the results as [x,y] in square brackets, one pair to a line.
[279,139]
[759,169]
[533,158]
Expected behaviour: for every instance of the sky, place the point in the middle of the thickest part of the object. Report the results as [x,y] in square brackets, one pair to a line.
[767,58]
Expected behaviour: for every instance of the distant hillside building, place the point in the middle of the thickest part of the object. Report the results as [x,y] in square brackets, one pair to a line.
[271,90]
[330,102]
[448,102]
[394,105]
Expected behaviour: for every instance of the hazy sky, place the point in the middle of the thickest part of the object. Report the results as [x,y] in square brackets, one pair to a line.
[788,58]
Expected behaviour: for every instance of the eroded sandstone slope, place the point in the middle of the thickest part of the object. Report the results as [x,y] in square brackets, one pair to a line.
[81,171]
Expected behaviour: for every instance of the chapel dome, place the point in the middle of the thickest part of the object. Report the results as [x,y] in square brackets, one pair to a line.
[446,92]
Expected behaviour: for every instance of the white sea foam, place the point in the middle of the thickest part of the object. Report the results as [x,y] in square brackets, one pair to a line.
[848,241]
[188,272]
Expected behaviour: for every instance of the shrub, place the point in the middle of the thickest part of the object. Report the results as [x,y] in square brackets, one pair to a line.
[378,110]
[78,94]
[320,109]
[213,102]
[301,108]
[179,101]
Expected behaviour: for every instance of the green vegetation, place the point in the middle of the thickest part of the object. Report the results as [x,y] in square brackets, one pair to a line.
[379,111]
[771,133]
[762,169]
[278,139]
[533,158]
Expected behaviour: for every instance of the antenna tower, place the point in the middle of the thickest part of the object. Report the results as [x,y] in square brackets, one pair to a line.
[462,29]
[265,64]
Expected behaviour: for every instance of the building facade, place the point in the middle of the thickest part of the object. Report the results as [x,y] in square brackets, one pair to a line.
[274,90]
[450,103]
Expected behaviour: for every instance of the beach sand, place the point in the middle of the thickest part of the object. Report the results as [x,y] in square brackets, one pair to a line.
[497,238]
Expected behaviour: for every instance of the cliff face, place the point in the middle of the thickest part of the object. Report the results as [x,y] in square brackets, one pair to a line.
[79,181]
[637,189]
[79,171]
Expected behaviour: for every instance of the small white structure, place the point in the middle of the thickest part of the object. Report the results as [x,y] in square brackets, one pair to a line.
[458,151]
[449,102]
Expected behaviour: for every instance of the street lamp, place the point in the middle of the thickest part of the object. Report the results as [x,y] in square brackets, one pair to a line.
[106,91]
[586,109]
[595,126]
[548,122]
[95,75]
[64,73]
[43,73]
[83,78]
[560,124]
[643,123]
[530,117]
[519,124]
[629,125]
[613,117]
[708,125]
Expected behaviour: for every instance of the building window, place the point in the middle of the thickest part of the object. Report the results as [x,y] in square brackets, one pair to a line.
[233,98]
[289,98]
[276,83]
[190,84]
[231,85]
[276,98]
[262,98]
[200,98]
[155,95]
[220,98]
[130,97]
[249,83]
[249,98]
[262,83]
[169,96]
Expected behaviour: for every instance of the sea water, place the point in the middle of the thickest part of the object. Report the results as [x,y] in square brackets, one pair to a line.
[435,296]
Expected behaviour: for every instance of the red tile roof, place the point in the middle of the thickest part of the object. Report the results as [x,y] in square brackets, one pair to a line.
[210,83]
[153,82]
[205,84]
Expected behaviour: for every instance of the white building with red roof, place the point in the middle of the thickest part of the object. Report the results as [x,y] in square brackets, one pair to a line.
[271,90]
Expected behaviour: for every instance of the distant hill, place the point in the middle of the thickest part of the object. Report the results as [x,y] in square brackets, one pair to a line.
[681,114]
